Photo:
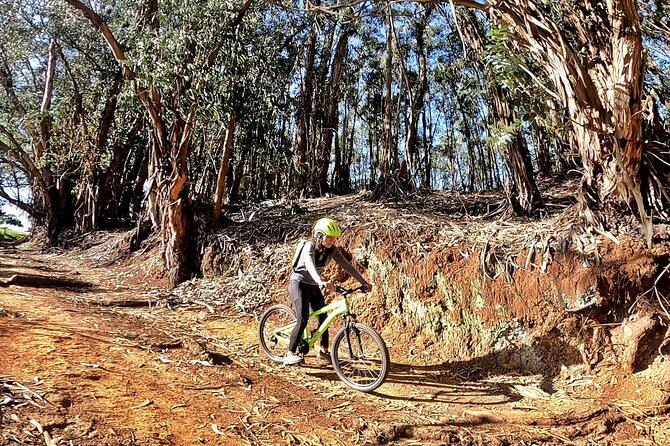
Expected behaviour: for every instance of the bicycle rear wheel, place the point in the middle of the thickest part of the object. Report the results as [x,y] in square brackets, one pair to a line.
[274,331]
[360,357]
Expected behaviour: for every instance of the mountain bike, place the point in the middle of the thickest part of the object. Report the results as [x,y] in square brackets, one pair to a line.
[359,355]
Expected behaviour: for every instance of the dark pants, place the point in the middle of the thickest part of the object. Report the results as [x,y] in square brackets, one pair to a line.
[303,297]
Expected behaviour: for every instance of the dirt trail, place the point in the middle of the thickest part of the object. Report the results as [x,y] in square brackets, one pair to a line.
[107,363]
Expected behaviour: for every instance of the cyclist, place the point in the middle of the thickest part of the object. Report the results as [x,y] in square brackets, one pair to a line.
[305,283]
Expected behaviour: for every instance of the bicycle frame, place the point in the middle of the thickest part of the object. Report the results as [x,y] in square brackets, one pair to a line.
[334,309]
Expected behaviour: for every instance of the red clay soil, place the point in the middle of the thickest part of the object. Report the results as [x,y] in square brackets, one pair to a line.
[105,360]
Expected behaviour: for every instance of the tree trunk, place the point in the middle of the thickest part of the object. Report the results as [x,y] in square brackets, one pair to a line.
[319,118]
[119,178]
[388,156]
[340,150]
[50,197]
[427,160]
[178,219]
[330,124]
[522,192]
[348,149]
[416,101]
[237,177]
[302,137]
[93,195]
[135,195]
[389,159]
[601,91]
[168,188]
[342,173]
[374,160]
[542,150]
[221,181]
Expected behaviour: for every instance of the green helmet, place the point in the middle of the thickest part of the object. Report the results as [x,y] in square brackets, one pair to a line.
[327,227]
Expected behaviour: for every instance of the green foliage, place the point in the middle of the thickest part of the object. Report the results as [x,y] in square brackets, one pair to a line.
[531,93]
[195,55]
[8,219]
[11,235]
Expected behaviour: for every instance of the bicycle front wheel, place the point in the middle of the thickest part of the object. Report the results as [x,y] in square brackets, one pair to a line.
[360,357]
[274,331]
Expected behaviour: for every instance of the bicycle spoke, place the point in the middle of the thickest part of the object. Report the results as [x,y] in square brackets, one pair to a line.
[275,330]
[364,367]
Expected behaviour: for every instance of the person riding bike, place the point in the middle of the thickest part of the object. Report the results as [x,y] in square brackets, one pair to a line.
[305,283]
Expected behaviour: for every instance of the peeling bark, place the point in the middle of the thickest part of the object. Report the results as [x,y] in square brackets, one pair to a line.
[600,90]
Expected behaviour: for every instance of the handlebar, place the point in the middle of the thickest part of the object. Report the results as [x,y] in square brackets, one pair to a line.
[347,291]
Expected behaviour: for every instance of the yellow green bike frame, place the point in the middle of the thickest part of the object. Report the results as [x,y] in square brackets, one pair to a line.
[333,310]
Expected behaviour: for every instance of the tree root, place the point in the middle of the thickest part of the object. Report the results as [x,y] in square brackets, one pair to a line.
[545,418]
[633,332]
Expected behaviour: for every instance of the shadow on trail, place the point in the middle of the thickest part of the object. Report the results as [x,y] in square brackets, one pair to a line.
[485,380]
[440,384]
[432,384]
[6,267]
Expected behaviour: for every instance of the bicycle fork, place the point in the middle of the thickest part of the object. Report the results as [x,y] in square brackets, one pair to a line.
[349,327]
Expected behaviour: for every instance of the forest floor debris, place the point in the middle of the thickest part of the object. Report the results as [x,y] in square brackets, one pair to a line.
[77,372]
[96,351]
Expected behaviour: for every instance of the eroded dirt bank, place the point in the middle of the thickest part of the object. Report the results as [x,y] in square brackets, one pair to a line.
[107,359]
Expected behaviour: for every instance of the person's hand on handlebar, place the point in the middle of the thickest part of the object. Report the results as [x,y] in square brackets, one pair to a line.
[328,286]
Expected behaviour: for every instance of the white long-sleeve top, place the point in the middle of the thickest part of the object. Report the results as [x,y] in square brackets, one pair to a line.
[310,265]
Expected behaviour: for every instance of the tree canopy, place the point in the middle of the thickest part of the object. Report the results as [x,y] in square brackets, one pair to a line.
[152,113]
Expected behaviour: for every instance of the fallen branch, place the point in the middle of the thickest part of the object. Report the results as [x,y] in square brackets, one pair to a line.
[42,282]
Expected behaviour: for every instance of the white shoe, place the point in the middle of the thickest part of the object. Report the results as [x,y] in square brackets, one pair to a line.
[292,358]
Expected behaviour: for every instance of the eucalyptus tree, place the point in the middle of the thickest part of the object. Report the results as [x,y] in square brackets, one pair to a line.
[655,177]
[458,102]
[252,88]
[266,107]
[26,74]
[507,136]
[174,53]
[371,87]
[593,54]
[415,93]
[388,158]
[331,100]
[402,97]
[305,106]
[49,107]
[354,147]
